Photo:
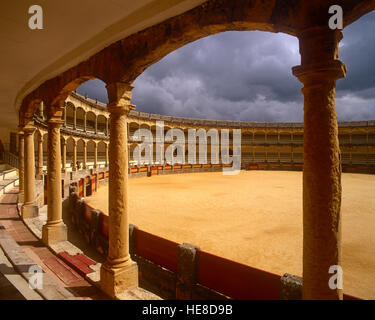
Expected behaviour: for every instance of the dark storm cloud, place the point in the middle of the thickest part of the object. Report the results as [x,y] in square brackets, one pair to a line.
[355,97]
[233,75]
[247,76]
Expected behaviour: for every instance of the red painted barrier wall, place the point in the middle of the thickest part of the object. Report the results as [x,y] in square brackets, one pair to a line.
[236,280]
[160,251]
[104,224]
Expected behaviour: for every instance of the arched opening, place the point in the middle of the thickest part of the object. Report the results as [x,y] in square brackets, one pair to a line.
[90,122]
[70,111]
[80,153]
[101,154]
[70,153]
[101,124]
[90,154]
[80,114]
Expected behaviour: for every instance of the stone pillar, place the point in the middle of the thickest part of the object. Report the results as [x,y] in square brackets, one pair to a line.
[96,124]
[318,72]
[40,110]
[106,155]
[39,172]
[63,141]
[84,122]
[74,167]
[119,273]
[75,119]
[84,166]
[95,155]
[64,124]
[54,230]
[106,127]
[21,164]
[29,208]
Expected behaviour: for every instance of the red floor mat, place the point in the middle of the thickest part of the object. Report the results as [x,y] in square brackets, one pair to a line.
[79,262]
[62,270]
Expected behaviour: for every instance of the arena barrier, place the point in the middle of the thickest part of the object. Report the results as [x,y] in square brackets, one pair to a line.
[236,280]
[181,271]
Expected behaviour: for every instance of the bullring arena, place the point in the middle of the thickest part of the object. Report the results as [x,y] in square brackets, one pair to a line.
[248,225]
[254,218]
[296,219]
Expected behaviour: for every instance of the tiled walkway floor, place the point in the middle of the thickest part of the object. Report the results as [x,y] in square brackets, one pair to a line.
[41,255]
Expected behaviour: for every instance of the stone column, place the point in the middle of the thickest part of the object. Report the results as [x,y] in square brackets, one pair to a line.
[63,141]
[119,273]
[95,155]
[96,124]
[29,208]
[106,126]
[106,155]
[54,230]
[75,118]
[21,164]
[39,172]
[84,122]
[40,110]
[84,155]
[74,167]
[64,124]
[318,72]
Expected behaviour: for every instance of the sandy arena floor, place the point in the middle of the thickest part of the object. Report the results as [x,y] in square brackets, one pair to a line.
[254,218]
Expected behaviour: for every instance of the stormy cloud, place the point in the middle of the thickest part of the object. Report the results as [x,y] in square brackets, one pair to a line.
[247,76]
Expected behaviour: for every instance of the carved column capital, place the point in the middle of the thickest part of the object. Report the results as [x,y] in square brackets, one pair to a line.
[29,129]
[319,49]
[119,97]
[318,73]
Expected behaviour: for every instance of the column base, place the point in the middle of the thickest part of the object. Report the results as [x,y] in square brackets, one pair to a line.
[29,211]
[21,197]
[54,233]
[114,281]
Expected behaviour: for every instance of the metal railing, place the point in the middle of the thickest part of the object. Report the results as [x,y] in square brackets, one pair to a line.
[11,159]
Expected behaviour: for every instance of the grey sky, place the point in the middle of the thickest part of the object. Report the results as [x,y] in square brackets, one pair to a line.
[247,76]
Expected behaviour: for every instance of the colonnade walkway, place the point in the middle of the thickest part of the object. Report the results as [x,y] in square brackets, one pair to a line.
[20,249]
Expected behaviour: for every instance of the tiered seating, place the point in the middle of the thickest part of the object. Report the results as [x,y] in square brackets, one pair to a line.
[272,157]
[358,139]
[247,139]
[259,138]
[259,157]
[8,178]
[345,158]
[371,158]
[285,157]
[344,139]
[298,157]
[272,139]
[298,138]
[285,138]
[359,158]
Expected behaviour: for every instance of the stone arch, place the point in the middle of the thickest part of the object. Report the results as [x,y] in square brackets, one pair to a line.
[69,151]
[80,118]
[70,110]
[90,153]
[101,123]
[101,151]
[80,151]
[126,59]
[90,121]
